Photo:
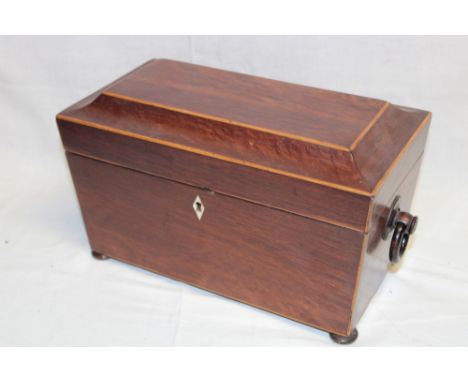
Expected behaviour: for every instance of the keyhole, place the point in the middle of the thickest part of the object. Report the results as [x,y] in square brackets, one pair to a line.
[198,204]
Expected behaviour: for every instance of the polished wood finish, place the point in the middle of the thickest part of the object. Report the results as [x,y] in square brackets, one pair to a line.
[375,261]
[297,185]
[281,108]
[384,142]
[294,195]
[322,139]
[290,265]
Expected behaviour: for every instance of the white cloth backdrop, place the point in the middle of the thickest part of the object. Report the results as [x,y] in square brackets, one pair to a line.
[53,293]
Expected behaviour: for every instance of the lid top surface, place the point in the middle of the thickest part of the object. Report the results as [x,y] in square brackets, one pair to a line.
[333,139]
[297,111]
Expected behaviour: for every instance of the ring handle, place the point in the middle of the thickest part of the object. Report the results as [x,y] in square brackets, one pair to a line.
[403,225]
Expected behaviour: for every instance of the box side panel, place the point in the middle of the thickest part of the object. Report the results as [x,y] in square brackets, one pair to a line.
[290,265]
[375,262]
[294,195]
[384,142]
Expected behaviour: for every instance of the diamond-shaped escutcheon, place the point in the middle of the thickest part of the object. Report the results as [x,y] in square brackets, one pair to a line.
[198,207]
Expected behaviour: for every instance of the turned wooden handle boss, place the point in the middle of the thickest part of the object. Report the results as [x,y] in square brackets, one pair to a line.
[285,197]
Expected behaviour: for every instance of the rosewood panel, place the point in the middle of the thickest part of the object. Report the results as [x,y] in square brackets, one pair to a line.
[278,106]
[290,265]
[375,262]
[386,139]
[294,195]
[214,138]
[337,140]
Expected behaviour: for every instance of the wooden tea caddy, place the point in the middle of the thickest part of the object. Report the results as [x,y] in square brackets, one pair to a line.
[285,197]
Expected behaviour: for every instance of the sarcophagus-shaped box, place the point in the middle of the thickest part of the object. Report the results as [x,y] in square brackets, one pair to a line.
[288,198]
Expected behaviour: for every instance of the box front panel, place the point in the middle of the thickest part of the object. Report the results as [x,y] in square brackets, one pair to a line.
[297,196]
[278,261]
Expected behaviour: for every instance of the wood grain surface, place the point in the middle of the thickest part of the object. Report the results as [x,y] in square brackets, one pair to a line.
[262,187]
[375,261]
[320,136]
[293,266]
[283,108]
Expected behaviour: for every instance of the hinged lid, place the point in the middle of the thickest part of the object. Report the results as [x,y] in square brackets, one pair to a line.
[334,139]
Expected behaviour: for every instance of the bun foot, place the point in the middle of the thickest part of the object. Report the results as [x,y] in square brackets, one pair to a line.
[99,256]
[345,340]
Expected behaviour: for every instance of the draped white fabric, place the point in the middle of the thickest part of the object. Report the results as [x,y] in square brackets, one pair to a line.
[53,293]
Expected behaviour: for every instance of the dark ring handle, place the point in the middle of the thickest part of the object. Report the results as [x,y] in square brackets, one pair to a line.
[403,224]
[398,243]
